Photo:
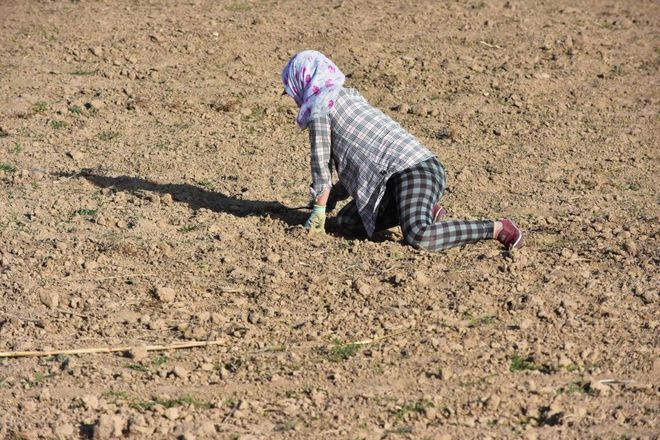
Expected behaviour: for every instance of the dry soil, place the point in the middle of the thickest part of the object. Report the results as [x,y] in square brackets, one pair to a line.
[148,165]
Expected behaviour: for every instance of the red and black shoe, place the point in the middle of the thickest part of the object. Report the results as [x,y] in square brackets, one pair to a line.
[510,236]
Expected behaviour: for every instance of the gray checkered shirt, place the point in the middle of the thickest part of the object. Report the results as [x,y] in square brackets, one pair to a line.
[367,148]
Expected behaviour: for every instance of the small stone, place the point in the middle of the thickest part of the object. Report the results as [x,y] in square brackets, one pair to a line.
[157,324]
[180,372]
[630,246]
[97,51]
[75,155]
[172,413]
[44,396]
[445,133]
[399,278]
[127,316]
[165,294]
[101,220]
[207,366]
[493,402]
[90,402]
[166,199]
[204,316]
[206,429]
[531,435]
[195,332]
[445,373]
[29,406]
[361,287]
[138,352]
[403,108]
[49,299]
[108,426]
[421,278]
[650,297]
[497,131]
[95,104]
[217,318]
[463,175]
[65,430]
[90,265]
[420,110]
[579,412]
[273,257]
[564,361]
[246,111]
[253,318]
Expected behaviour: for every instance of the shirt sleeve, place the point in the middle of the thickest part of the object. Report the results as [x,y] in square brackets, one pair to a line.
[321,155]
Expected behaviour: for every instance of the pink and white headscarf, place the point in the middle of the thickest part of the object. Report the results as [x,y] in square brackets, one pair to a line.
[314,82]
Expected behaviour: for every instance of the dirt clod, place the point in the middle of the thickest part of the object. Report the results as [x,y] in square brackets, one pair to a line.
[180,372]
[108,426]
[165,294]
[50,299]
[138,352]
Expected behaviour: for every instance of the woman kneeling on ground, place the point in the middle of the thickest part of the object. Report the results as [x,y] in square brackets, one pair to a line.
[392,178]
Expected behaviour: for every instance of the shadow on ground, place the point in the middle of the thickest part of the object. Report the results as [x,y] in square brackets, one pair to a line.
[196,197]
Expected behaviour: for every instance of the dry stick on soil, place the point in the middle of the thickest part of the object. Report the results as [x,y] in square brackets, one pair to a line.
[494,46]
[137,275]
[175,346]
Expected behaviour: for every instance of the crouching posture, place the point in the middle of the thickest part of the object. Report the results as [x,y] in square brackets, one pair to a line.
[392,178]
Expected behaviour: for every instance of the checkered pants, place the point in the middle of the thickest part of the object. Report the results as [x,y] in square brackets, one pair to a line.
[408,200]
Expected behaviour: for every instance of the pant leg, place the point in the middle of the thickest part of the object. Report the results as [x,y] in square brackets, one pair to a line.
[416,190]
[349,221]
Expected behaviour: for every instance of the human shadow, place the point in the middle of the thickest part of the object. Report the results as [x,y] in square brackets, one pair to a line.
[195,197]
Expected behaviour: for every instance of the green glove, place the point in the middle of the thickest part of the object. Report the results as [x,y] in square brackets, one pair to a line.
[316,221]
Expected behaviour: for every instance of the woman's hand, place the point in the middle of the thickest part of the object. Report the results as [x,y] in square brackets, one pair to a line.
[316,221]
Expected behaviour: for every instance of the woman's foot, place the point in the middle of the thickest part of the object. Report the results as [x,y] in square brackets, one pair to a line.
[507,233]
[438,213]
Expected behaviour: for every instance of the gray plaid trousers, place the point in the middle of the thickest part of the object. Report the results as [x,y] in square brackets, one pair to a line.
[408,201]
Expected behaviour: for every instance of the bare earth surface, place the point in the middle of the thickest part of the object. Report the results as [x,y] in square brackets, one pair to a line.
[147,164]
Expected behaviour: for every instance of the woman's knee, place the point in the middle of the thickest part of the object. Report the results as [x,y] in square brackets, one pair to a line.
[415,237]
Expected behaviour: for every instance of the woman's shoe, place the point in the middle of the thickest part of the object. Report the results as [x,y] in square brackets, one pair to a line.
[510,236]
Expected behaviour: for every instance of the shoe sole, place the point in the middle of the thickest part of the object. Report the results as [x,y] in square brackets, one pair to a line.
[519,242]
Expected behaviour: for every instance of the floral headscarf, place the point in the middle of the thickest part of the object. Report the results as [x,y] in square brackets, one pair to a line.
[313,81]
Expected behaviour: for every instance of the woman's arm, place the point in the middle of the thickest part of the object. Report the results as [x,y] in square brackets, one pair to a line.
[321,154]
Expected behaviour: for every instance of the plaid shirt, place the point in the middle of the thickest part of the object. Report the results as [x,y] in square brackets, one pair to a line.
[367,148]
